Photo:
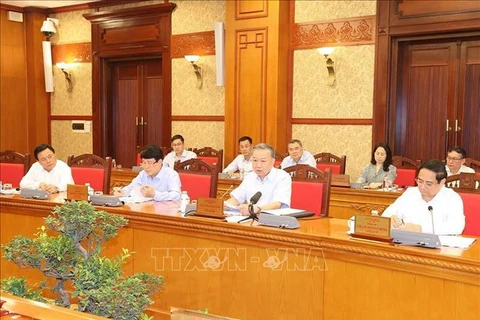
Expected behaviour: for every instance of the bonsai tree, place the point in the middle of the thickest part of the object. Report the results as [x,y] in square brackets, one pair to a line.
[73,256]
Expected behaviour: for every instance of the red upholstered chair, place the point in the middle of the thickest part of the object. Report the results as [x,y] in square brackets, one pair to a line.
[198,178]
[471,209]
[13,166]
[210,156]
[406,171]
[310,189]
[330,161]
[89,168]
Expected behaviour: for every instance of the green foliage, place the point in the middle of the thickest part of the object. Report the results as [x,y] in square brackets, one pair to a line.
[18,287]
[74,255]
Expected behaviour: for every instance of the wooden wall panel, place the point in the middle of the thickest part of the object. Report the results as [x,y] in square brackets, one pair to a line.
[13,90]
[38,101]
[250,88]
[257,42]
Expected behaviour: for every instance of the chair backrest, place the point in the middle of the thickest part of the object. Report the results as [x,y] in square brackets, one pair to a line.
[198,178]
[89,168]
[474,164]
[210,156]
[13,166]
[330,161]
[471,209]
[278,159]
[406,171]
[310,189]
[469,182]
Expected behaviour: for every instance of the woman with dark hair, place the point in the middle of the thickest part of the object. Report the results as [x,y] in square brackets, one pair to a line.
[380,169]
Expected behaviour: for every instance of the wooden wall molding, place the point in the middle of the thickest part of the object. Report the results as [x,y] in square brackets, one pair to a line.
[72,52]
[70,117]
[198,118]
[343,32]
[332,121]
[200,43]
[416,9]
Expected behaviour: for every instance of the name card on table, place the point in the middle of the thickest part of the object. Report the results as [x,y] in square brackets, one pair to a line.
[372,228]
[77,192]
[210,207]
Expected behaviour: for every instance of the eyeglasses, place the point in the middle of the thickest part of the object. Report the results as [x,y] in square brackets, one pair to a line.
[427,183]
[453,159]
[50,156]
[148,164]
[177,144]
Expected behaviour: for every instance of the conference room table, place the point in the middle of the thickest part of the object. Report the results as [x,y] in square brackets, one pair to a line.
[249,271]
[344,202]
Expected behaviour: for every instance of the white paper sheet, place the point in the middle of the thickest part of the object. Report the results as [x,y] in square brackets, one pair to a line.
[456,241]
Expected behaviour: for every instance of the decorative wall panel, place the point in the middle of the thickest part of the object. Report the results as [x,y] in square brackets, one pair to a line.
[187,99]
[196,16]
[353,141]
[211,133]
[79,100]
[199,43]
[325,10]
[72,52]
[66,142]
[353,31]
[352,94]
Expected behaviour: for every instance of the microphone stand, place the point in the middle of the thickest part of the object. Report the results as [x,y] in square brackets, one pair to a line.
[252,216]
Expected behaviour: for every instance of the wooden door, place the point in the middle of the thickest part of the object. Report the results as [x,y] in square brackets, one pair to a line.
[137,107]
[467,131]
[437,104]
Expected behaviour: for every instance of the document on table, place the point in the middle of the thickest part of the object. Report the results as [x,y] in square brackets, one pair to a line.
[456,241]
[230,210]
[135,199]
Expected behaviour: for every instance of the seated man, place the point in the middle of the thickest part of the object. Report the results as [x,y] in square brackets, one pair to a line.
[274,184]
[243,162]
[430,207]
[179,153]
[455,161]
[155,180]
[296,155]
[48,173]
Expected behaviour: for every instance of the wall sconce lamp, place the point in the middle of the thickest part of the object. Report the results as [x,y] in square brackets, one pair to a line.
[68,75]
[196,69]
[329,62]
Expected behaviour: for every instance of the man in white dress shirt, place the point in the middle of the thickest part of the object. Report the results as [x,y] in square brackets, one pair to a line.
[455,161]
[179,153]
[155,180]
[430,207]
[243,162]
[274,184]
[297,155]
[48,173]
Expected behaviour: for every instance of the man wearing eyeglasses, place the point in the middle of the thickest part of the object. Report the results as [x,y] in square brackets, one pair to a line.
[155,180]
[430,207]
[455,161]
[179,153]
[48,173]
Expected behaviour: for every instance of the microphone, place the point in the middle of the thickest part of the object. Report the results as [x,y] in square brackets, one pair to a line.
[430,209]
[253,200]
[227,191]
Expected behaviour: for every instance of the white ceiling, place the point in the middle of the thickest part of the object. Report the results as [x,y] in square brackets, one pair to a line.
[43,4]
